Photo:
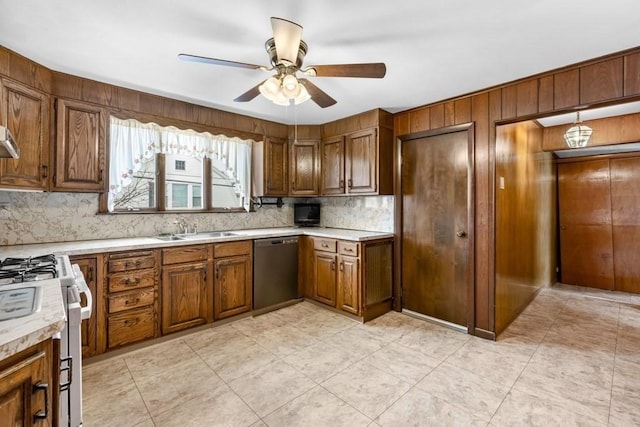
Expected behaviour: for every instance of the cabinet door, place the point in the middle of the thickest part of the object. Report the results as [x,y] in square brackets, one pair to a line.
[80,147]
[25,112]
[89,328]
[276,167]
[24,386]
[233,286]
[349,284]
[186,296]
[361,162]
[332,166]
[304,168]
[325,278]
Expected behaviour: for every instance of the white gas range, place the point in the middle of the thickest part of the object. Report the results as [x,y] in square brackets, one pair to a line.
[28,272]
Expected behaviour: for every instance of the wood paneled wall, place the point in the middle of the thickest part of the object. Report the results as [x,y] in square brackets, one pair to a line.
[126,103]
[609,131]
[525,231]
[602,81]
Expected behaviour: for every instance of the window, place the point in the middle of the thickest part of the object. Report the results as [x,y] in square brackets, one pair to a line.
[165,168]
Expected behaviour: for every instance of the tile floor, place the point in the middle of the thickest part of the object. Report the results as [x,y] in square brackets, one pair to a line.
[572,358]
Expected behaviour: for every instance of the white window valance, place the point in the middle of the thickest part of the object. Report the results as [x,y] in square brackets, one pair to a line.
[133,142]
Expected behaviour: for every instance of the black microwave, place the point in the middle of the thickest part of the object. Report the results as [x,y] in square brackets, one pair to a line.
[306,214]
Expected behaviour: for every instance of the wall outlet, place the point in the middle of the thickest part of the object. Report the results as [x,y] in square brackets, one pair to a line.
[502,182]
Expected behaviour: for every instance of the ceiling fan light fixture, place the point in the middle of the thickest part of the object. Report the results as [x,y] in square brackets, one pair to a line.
[303,95]
[578,135]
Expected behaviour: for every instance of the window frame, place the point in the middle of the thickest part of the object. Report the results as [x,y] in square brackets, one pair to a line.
[160,182]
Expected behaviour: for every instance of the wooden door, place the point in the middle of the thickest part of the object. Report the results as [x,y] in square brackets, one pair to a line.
[24,386]
[324,289]
[348,298]
[305,163]
[437,245]
[25,112]
[186,296]
[361,162]
[80,146]
[332,165]
[89,327]
[233,286]
[276,167]
[625,209]
[586,244]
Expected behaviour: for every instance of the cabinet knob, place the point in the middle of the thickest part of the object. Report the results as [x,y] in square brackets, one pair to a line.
[461,234]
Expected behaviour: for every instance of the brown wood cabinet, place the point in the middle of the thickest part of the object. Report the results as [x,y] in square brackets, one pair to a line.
[89,266]
[355,277]
[332,166]
[271,167]
[27,387]
[305,167]
[25,112]
[361,162]
[132,297]
[187,287]
[348,290]
[356,155]
[81,132]
[233,285]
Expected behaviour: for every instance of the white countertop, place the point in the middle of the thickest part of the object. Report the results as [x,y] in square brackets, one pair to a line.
[85,247]
[23,332]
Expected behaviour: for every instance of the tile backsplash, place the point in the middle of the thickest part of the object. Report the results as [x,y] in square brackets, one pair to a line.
[27,217]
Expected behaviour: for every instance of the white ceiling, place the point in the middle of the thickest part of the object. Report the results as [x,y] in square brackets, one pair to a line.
[433,49]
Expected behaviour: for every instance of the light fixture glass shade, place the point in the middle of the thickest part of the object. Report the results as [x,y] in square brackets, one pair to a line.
[578,135]
[284,90]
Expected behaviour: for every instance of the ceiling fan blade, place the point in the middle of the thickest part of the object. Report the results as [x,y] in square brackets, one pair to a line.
[205,60]
[250,94]
[318,95]
[374,70]
[287,36]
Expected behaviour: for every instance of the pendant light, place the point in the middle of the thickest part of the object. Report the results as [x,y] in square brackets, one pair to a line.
[578,135]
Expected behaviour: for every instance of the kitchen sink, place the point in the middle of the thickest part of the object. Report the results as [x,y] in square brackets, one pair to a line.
[194,236]
[207,235]
[170,238]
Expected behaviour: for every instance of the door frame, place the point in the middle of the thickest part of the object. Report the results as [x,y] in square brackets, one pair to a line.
[469,128]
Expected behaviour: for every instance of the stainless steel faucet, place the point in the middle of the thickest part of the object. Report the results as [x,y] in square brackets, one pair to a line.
[182,225]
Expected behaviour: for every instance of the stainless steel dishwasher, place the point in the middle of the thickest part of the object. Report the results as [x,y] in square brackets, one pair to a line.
[275,273]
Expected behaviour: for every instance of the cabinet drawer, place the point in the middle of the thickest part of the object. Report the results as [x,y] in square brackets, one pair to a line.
[133,280]
[131,326]
[326,245]
[185,254]
[232,249]
[129,300]
[348,248]
[131,261]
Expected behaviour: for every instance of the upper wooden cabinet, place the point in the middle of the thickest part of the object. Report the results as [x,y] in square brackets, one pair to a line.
[25,112]
[271,167]
[304,168]
[332,169]
[357,155]
[81,132]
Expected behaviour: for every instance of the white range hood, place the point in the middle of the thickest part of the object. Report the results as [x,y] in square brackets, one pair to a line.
[8,147]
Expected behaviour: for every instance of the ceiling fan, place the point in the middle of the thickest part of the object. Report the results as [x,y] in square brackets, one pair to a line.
[286,51]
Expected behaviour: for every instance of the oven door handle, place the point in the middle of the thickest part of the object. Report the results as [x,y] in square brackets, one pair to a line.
[81,283]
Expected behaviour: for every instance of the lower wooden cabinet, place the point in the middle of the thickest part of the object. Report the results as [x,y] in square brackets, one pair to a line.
[324,289]
[131,297]
[233,284]
[90,267]
[27,387]
[187,287]
[348,298]
[355,277]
